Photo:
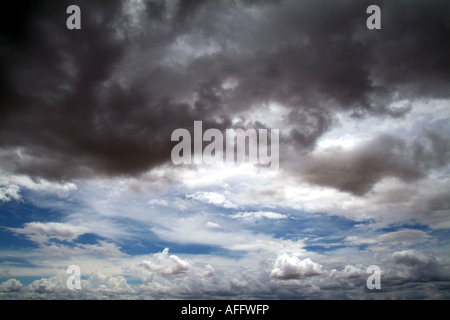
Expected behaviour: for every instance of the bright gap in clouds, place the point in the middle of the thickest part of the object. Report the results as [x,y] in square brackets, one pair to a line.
[425,114]
[220,216]
[208,237]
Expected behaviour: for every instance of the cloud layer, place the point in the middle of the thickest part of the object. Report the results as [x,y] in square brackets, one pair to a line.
[86,178]
[137,70]
[290,277]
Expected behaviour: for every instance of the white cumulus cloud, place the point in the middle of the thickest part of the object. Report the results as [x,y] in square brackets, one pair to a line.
[291,267]
[167,265]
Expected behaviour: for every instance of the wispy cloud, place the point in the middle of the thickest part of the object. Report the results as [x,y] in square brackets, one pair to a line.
[259,215]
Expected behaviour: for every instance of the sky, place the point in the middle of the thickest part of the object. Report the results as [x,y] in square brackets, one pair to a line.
[87,178]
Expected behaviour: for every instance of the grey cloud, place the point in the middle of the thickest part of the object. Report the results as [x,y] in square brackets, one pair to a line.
[60,231]
[104,100]
[358,170]
[411,265]
[410,275]
[45,234]
[438,202]
[11,285]
[97,286]
[404,237]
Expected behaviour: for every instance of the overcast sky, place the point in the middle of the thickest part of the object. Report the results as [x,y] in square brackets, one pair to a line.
[86,175]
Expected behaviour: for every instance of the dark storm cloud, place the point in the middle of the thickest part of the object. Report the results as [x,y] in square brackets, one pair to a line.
[415,266]
[72,118]
[105,99]
[357,170]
